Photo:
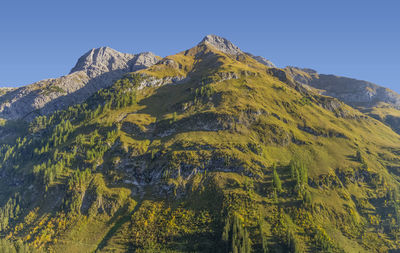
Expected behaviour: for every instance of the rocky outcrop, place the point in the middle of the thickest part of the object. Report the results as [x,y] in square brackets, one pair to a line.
[151,81]
[229,48]
[365,96]
[95,70]
[101,60]
[222,45]
[356,93]
[262,60]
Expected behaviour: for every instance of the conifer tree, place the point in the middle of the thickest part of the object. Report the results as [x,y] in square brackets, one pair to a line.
[235,236]
[277,181]
[264,241]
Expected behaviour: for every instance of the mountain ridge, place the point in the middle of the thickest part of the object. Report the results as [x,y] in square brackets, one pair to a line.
[95,70]
[105,59]
[374,100]
[204,151]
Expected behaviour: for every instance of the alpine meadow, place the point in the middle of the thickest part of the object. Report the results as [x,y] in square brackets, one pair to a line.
[211,149]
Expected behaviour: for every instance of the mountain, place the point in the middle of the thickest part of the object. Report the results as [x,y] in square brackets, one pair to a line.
[229,48]
[354,92]
[207,150]
[95,70]
[374,100]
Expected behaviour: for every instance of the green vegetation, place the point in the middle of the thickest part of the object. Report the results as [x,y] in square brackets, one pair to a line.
[52,89]
[235,159]
[277,181]
[16,247]
[299,174]
[235,237]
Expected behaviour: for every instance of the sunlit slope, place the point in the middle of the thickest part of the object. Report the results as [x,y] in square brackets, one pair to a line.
[371,99]
[207,152]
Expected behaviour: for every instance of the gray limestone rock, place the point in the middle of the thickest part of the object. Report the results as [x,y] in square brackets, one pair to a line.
[105,59]
[262,60]
[95,70]
[229,48]
[222,44]
[356,93]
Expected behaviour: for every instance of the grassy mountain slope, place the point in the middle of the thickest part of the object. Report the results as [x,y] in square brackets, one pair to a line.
[371,99]
[232,155]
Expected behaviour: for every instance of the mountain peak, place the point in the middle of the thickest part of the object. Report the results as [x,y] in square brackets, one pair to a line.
[228,47]
[99,60]
[221,44]
[96,69]
[105,59]
[103,49]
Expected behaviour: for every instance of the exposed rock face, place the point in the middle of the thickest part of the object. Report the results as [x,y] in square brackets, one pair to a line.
[105,59]
[222,44]
[351,91]
[95,70]
[228,47]
[376,101]
[356,92]
[262,60]
[156,82]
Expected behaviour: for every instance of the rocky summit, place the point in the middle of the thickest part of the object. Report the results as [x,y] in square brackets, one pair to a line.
[207,150]
[221,44]
[102,60]
[95,70]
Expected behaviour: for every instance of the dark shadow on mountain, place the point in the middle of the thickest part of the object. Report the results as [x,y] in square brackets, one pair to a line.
[119,219]
[79,96]
[208,65]
[195,242]
[352,158]
[25,104]
[132,129]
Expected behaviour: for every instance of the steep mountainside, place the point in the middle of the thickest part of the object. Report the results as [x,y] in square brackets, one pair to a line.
[374,100]
[97,69]
[208,150]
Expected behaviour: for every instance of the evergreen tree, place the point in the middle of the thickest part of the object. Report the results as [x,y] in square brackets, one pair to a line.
[235,236]
[292,242]
[264,241]
[307,199]
[299,174]
[277,181]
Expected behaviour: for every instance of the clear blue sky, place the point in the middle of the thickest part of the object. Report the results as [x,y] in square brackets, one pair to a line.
[357,38]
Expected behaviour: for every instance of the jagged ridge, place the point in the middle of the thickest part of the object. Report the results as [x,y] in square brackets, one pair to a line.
[203,151]
[374,100]
[95,70]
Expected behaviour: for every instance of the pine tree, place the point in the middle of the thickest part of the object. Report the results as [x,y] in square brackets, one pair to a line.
[235,236]
[299,173]
[264,241]
[292,242]
[225,234]
[293,168]
[277,181]
[307,199]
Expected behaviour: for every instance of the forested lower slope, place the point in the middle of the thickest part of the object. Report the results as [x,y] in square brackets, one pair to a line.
[208,150]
